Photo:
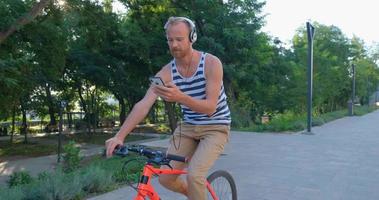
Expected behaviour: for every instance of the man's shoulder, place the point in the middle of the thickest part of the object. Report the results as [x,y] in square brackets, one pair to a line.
[165,72]
[212,60]
[167,67]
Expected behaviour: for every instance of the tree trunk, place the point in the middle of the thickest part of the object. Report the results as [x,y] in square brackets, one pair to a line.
[85,108]
[24,129]
[25,19]
[50,105]
[122,110]
[172,119]
[13,121]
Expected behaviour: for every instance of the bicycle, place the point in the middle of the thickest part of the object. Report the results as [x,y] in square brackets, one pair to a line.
[145,188]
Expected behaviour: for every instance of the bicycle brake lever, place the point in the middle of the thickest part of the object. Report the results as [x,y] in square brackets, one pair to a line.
[168,164]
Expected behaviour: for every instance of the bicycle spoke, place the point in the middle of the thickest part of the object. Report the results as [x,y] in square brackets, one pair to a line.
[222,188]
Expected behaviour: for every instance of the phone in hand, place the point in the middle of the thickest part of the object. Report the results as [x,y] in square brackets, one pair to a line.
[156,80]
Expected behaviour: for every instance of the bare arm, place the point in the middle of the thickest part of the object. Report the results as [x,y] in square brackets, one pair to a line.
[213,73]
[138,113]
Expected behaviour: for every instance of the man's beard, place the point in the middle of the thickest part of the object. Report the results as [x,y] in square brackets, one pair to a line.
[178,53]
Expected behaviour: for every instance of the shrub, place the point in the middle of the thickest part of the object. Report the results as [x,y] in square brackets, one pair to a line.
[14,193]
[362,110]
[20,178]
[55,186]
[318,121]
[81,124]
[129,171]
[71,158]
[94,179]
[240,116]
[43,175]
[100,176]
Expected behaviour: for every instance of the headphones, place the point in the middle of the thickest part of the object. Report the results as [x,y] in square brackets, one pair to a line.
[192,35]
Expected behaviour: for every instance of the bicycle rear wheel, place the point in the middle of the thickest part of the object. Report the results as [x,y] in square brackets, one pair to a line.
[223,185]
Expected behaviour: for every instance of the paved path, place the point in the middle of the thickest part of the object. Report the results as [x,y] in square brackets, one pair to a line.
[339,162]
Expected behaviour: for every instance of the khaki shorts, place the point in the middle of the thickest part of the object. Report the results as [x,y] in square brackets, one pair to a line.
[203,144]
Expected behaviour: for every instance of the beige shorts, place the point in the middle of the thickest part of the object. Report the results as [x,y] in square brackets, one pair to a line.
[203,144]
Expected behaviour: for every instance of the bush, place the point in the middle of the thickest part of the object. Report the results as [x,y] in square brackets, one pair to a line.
[94,179]
[129,172]
[14,193]
[100,176]
[55,186]
[240,116]
[362,110]
[71,158]
[20,178]
[80,124]
[318,121]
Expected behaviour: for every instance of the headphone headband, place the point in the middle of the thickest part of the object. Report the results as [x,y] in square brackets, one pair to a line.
[190,23]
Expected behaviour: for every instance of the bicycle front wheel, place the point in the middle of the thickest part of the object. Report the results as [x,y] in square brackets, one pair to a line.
[223,185]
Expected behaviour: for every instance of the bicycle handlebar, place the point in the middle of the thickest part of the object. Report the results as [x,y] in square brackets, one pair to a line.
[155,156]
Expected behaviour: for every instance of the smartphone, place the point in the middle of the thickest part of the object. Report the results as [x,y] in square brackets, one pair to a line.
[156,80]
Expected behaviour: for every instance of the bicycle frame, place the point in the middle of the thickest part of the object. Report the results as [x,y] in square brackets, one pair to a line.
[146,189]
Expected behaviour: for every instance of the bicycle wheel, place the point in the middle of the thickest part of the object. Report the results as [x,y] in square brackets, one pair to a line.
[223,185]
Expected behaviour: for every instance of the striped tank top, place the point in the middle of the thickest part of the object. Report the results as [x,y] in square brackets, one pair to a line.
[194,86]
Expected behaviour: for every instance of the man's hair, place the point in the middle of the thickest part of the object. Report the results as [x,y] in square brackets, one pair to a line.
[191,26]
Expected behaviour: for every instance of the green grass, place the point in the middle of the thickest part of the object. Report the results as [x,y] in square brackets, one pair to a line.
[290,121]
[97,138]
[40,147]
[32,149]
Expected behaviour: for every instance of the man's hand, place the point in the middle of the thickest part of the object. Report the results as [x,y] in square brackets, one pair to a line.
[111,144]
[169,93]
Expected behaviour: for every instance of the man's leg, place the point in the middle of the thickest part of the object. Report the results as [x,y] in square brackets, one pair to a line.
[183,145]
[212,141]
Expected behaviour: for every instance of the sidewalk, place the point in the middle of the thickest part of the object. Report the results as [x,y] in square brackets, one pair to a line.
[339,162]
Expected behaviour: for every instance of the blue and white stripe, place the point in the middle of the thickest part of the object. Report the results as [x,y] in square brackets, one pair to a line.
[194,86]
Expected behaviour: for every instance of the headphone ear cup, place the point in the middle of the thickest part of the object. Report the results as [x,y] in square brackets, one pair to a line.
[193,35]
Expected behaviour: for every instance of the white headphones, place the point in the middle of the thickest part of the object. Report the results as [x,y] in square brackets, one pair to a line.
[192,34]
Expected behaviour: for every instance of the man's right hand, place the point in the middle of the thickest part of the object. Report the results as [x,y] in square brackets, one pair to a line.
[111,144]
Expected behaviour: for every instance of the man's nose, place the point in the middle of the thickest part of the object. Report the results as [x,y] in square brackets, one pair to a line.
[174,44]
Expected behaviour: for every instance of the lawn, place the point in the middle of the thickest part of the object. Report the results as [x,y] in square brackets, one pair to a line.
[97,138]
[32,149]
[47,145]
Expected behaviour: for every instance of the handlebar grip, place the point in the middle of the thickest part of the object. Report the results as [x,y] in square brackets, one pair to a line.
[176,158]
[121,150]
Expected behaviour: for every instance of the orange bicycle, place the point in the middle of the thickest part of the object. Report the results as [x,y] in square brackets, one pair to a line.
[220,184]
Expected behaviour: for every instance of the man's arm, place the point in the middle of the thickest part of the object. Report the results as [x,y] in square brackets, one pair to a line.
[213,73]
[138,113]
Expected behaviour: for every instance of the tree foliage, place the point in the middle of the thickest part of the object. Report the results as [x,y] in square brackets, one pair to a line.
[80,51]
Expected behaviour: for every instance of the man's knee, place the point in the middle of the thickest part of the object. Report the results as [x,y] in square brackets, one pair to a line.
[195,178]
[167,180]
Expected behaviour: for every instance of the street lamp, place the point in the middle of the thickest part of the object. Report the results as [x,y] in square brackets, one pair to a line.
[351,103]
[310,35]
[61,108]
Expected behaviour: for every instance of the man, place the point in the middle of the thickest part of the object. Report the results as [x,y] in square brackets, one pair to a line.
[194,80]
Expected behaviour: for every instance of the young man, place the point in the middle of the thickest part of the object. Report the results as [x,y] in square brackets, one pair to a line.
[194,80]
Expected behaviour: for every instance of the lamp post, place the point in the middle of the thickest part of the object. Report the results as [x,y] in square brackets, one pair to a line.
[61,108]
[310,35]
[352,101]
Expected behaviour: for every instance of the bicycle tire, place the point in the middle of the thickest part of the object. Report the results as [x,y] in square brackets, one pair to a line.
[228,183]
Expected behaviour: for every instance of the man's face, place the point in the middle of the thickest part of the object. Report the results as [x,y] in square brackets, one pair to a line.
[178,40]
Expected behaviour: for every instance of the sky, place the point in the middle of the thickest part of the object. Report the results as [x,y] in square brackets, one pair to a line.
[359,18]
[353,17]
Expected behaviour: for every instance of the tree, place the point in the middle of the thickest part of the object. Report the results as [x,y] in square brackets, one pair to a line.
[331,66]
[23,20]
